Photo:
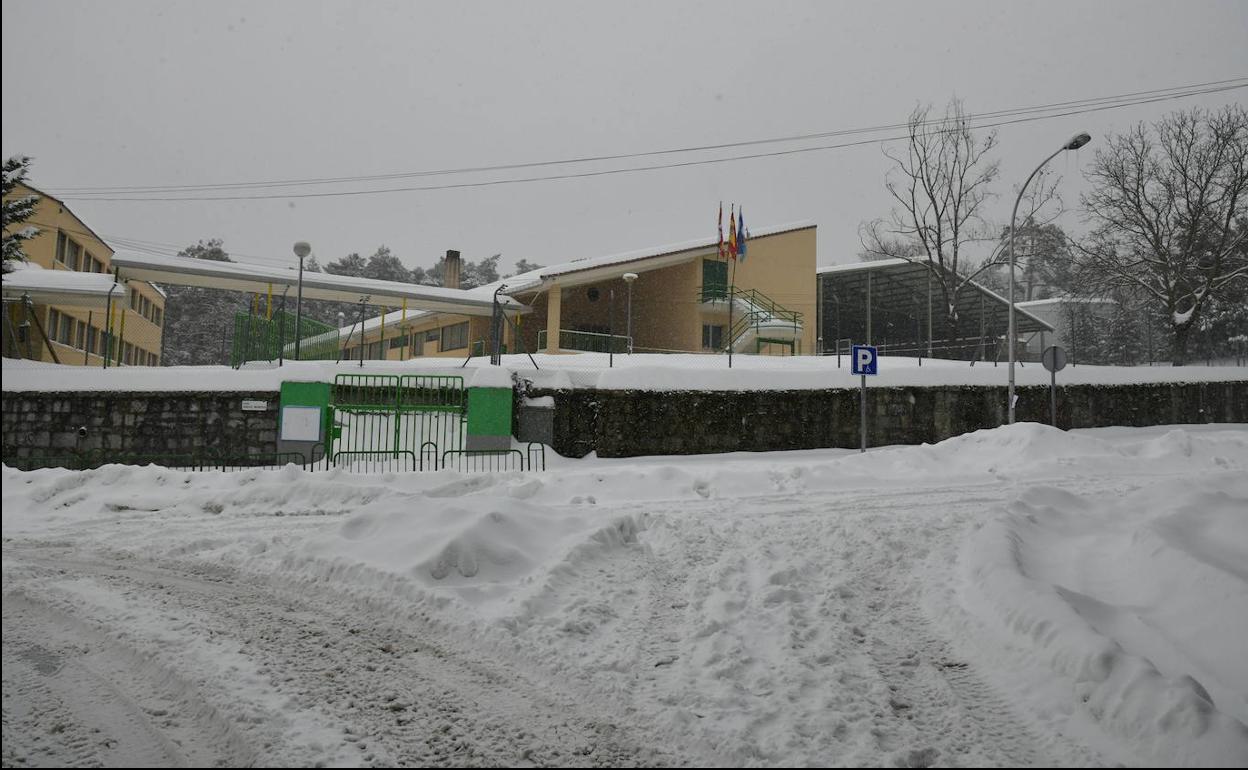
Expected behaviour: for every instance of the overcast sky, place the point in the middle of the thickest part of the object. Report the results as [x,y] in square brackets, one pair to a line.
[195,93]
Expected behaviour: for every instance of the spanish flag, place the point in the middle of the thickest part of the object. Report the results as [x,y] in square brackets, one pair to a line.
[732,232]
[720,223]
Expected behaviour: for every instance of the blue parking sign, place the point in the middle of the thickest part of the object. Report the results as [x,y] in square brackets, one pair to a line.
[864,359]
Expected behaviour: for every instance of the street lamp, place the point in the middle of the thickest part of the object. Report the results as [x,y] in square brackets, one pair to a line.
[628,279]
[1075,143]
[302,249]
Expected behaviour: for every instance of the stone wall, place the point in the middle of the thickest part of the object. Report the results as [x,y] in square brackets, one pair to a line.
[137,424]
[631,423]
[616,423]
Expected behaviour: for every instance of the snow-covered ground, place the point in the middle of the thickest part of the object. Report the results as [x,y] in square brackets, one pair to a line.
[651,371]
[1017,596]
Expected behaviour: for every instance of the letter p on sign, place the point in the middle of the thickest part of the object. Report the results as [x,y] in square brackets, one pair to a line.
[865,360]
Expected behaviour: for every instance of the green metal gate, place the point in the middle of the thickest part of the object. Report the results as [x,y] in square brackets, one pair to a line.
[386,422]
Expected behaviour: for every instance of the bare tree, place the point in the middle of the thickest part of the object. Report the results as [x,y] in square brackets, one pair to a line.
[940,185]
[1165,204]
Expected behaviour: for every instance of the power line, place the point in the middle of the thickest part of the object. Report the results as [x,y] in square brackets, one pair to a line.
[145,246]
[730,145]
[655,167]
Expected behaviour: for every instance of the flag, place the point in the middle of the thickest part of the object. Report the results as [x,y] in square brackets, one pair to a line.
[721,229]
[732,233]
[741,234]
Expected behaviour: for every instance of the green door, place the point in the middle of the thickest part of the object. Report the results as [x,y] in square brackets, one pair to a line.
[714,280]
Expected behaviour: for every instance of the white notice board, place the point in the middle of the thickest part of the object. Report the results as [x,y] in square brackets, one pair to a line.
[301,423]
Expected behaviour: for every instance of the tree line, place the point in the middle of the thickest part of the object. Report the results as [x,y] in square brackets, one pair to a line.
[199,320]
[1167,239]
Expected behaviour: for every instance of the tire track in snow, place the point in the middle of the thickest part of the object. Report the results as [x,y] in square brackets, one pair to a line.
[402,695]
[73,696]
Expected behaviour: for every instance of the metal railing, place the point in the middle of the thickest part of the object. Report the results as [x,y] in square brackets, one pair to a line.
[589,342]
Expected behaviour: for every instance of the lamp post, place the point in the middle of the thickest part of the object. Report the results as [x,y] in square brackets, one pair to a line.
[302,249]
[628,279]
[1075,143]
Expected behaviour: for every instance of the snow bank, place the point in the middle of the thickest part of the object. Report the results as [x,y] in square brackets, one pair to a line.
[777,606]
[649,372]
[1140,603]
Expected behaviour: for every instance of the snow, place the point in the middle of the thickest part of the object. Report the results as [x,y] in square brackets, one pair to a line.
[60,286]
[649,372]
[1016,596]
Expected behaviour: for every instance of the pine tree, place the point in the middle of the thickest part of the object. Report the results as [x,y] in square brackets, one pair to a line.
[17,209]
[199,320]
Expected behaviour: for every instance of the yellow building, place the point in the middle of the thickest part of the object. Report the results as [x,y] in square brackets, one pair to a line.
[80,336]
[679,303]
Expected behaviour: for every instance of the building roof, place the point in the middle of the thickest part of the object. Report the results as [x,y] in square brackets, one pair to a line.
[1038,303]
[241,276]
[65,288]
[67,209]
[589,269]
[586,270]
[903,281]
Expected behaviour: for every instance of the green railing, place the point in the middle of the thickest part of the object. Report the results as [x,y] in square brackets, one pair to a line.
[590,342]
[374,414]
[763,310]
[256,338]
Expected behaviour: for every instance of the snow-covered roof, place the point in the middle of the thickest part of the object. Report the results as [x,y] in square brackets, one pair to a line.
[241,276]
[646,259]
[908,273]
[1066,301]
[874,264]
[642,260]
[60,287]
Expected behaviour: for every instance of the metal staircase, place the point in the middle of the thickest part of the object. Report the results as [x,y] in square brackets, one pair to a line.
[756,318]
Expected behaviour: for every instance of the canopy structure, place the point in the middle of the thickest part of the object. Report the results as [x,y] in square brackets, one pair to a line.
[894,303]
[64,288]
[240,276]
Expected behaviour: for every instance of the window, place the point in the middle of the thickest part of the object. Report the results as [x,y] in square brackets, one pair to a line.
[433,335]
[80,337]
[454,337]
[153,359]
[397,343]
[65,335]
[68,253]
[714,279]
[92,339]
[158,315]
[127,351]
[54,322]
[712,336]
[373,352]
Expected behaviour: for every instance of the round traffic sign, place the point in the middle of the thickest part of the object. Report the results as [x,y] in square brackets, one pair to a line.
[1053,358]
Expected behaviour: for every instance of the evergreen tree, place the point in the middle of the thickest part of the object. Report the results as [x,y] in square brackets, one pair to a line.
[352,264]
[17,209]
[480,273]
[524,266]
[199,321]
[385,266]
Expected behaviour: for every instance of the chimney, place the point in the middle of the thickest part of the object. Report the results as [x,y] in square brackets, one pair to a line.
[450,276]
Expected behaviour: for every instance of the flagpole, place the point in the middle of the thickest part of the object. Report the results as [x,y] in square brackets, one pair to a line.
[732,287]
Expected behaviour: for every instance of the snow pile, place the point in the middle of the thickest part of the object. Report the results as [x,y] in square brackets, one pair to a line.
[648,372]
[480,548]
[1020,595]
[1141,604]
